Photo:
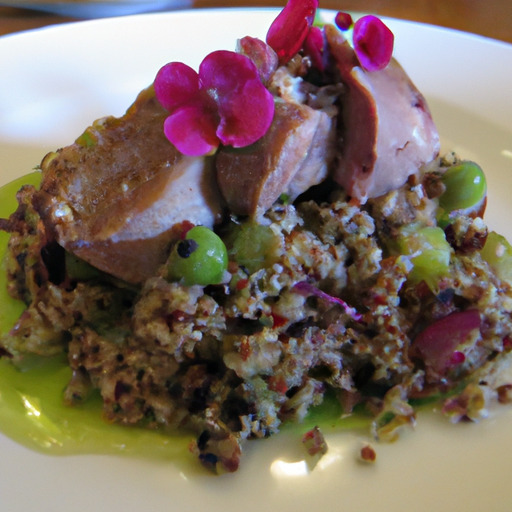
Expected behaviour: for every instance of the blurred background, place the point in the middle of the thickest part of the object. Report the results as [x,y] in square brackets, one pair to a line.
[491,18]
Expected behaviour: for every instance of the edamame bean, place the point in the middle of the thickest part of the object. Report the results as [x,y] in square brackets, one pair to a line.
[465,186]
[497,251]
[429,251]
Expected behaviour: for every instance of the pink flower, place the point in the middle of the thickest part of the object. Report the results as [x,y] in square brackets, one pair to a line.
[373,43]
[289,30]
[225,103]
[293,31]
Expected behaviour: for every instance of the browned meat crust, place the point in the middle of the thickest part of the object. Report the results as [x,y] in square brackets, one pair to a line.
[118,196]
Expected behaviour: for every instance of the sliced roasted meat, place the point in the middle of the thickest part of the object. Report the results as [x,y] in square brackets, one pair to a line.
[293,156]
[118,196]
[386,126]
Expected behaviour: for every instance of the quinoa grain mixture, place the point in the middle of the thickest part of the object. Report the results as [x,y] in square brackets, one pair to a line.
[324,303]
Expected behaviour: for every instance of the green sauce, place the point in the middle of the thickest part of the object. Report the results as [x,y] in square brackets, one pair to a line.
[32,412]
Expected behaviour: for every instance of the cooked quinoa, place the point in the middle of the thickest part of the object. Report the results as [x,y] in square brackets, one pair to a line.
[325,302]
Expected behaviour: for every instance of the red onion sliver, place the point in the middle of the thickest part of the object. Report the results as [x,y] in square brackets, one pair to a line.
[438,343]
[305,288]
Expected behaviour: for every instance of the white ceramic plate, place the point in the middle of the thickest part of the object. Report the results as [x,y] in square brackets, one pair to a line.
[97,8]
[56,81]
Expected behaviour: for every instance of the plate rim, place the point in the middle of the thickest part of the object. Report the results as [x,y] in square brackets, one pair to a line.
[223,485]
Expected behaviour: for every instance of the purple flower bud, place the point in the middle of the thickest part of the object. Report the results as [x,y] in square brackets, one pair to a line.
[343,20]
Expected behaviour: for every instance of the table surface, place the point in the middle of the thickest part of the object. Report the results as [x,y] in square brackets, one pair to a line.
[490,18]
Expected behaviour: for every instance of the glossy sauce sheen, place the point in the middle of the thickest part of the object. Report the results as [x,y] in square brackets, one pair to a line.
[32,412]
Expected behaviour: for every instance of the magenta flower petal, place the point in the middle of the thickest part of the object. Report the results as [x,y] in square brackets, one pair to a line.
[176,84]
[289,30]
[343,20]
[192,130]
[314,47]
[246,117]
[373,43]
[223,73]
[245,106]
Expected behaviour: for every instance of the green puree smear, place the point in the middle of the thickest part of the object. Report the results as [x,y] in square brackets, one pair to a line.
[33,414]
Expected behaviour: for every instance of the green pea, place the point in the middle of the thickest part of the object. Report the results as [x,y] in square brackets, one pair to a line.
[255,246]
[465,187]
[200,258]
[429,251]
[497,251]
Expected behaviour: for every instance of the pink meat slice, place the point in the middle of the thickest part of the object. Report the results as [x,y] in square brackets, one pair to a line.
[386,126]
[293,156]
